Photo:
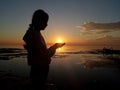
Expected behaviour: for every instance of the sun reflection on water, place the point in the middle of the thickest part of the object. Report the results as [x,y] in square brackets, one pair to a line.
[59,40]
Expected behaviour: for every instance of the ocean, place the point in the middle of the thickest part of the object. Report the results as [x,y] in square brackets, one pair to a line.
[72,67]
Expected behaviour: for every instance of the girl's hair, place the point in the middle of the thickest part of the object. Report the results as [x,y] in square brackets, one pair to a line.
[39,16]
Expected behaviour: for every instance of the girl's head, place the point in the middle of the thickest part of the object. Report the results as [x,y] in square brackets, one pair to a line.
[40,19]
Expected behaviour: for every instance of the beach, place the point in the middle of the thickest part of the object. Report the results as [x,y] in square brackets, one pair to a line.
[73,68]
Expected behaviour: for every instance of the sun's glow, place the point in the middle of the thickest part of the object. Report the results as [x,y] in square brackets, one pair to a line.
[59,40]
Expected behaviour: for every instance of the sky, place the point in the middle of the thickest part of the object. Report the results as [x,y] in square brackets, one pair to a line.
[82,22]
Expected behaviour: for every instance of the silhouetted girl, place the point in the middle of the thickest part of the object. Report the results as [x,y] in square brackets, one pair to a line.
[39,57]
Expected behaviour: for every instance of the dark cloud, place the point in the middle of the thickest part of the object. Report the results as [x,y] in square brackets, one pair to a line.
[93,27]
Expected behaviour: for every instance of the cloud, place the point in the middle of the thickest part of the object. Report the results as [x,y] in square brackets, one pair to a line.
[99,28]
[106,40]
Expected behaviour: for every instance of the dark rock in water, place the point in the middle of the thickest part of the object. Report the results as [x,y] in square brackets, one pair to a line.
[4,58]
[9,53]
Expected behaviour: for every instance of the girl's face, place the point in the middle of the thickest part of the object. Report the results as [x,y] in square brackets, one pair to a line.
[43,26]
[43,23]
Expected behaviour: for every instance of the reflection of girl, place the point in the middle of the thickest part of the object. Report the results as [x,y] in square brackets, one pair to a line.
[39,57]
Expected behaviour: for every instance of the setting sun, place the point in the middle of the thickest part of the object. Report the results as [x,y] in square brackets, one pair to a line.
[59,40]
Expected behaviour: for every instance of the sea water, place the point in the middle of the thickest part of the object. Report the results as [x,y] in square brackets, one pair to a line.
[71,67]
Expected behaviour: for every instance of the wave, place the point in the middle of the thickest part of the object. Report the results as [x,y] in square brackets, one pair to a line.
[9,53]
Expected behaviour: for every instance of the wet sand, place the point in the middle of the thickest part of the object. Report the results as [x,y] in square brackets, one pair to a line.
[8,81]
[68,71]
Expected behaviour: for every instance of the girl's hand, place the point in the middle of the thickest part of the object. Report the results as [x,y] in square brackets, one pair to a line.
[58,45]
